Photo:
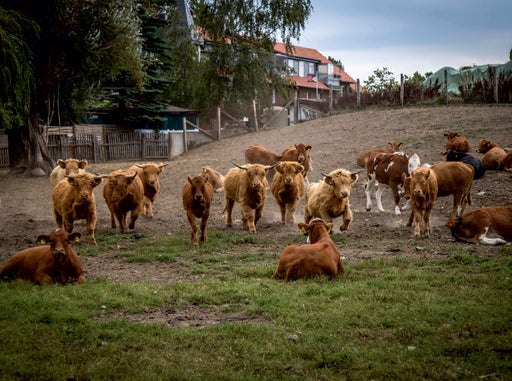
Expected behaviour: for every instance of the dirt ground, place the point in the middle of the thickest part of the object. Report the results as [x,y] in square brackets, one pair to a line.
[337,141]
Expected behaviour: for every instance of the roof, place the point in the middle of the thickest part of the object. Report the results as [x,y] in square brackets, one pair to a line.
[299,51]
[303,82]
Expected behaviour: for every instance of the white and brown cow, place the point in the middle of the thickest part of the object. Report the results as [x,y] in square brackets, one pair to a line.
[67,167]
[475,225]
[149,173]
[288,188]
[423,192]
[197,197]
[366,155]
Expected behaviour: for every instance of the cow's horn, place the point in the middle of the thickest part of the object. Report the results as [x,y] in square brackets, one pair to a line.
[239,166]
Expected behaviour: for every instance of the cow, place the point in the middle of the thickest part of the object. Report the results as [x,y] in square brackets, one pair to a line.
[148,173]
[464,157]
[246,185]
[214,178]
[385,169]
[300,154]
[123,192]
[423,190]
[67,167]
[73,199]
[53,263]
[493,154]
[477,223]
[455,142]
[329,199]
[197,199]
[288,188]
[507,162]
[260,155]
[364,156]
[320,257]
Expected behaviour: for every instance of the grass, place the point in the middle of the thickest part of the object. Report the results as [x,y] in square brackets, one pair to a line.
[385,319]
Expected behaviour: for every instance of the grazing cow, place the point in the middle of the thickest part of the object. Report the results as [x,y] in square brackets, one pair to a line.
[300,154]
[464,157]
[288,188]
[385,169]
[321,257]
[67,167]
[507,162]
[246,185]
[493,154]
[53,263]
[329,199]
[73,199]
[423,193]
[214,178]
[477,223]
[197,200]
[123,193]
[148,173]
[364,156]
[455,142]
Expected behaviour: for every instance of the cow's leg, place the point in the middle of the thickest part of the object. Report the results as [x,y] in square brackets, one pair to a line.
[378,197]
[456,201]
[148,207]
[58,219]
[249,218]
[41,277]
[396,197]
[204,223]
[91,225]
[282,208]
[347,218]
[292,210]
[229,212]
[368,189]
[121,218]
[417,222]
[258,212]
[426,220]
[489,241]
[193,226]
[411,218]
[68,223]
[134,215]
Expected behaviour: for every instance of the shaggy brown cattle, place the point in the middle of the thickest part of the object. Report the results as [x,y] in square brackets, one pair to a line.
[74,200]
[300,154]
[197,200]
[493,154]
[214,178]
[423,192]
[67,167]
[385,169]
[329,199]
[507,162]
[477,223]
[53,263]
[123,193]
[364,156]
[321,257]
[455,142]
[148,173]
[288,188]
[246,185]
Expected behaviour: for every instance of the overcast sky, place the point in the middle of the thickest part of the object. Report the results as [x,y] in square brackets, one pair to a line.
[406,36]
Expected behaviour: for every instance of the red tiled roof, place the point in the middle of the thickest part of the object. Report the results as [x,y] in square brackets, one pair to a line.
[299,51]
[303,82]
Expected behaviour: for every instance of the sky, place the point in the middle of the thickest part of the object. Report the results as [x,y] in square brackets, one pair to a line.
[406,36]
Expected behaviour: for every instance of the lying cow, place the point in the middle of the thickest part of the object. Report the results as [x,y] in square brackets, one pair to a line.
[479,222]
[53,263]
[507,162]
[73,199]
[455,142]
[329,199]
[148,173]
[214,178]
[300,154]
[123,193]
[246,185]
[67,167]
[321,257]
[493,154]
[464,157]
[197,197]
[288,188]
[423,190]
[364,156]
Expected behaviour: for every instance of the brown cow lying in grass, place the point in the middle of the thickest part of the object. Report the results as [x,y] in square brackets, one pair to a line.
[288,188]
[455,142]
[53,263]
[423,193]
[320,257]
[197,199]
[148,173]
[493,155]
[479,222]
[364,156]
[65,168]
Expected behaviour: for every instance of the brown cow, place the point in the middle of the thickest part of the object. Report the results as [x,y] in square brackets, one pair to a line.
[364,156]
[214,178]
[148,173]
[67,167]
[260,155]
[53,263]
[288,188]
[197,199]
[300,154]
[329,199]
[423,191]
[507,162]
[455,142]
[493,155]
[246,185]
[73,199]
[123,193]
[321,257]
[477,223]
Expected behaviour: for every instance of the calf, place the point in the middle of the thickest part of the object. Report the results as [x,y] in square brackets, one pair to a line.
[329,199]
[260,155]
[288,188]
[74,200]
[423,193]
[493,154]
[148,173]
[300,154]
[214,178]
[197,199]
[123,193]
[364,156]
[321,257]
[477,223]
[67,167]
[464,157]
[455,142]
[53,263]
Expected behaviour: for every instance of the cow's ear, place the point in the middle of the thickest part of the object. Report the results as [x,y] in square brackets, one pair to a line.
[308,148]
[61,163]
[330,225]
[75,236]
[71,180]
[97,180]
[354,177]
[131,178]
[82,164]
[189,179]
[204,170]
[279,169]
[43,239]
[302,226]
[299,169]
[329,180]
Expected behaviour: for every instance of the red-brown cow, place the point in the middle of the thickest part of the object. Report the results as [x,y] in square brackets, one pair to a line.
[455,142]
[73,199]
[364,156]
[507,162]
[123,193]
[288,188]
[66,168]
[148,173]
[53,263]
[197,200]
[423,193]
[300,154]
[479,222]
[493,154]
[320,257]
[260,155]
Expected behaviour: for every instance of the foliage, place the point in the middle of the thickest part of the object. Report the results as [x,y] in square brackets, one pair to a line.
[336,62]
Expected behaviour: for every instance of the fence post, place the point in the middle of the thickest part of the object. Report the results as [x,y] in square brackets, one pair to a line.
[402,90]
[169,144]
[219,130]
[185,139]
[295,108]
[95,148]
[255,115]
[446,85]
[358,90]
[143,146]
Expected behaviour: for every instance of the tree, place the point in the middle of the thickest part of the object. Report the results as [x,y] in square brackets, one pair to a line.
[336,62]
[381,80]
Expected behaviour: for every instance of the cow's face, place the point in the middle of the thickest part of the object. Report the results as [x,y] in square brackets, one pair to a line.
[302,152]
[316,229]
[256,176]
[119,185]
[289,171]
[198,186]
[151,173]
[59,242]
[72,166]
[484,146]
[418,182]
[84,184]
[341,181]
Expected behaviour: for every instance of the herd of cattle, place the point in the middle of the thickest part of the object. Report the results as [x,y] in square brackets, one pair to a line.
[133,191]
